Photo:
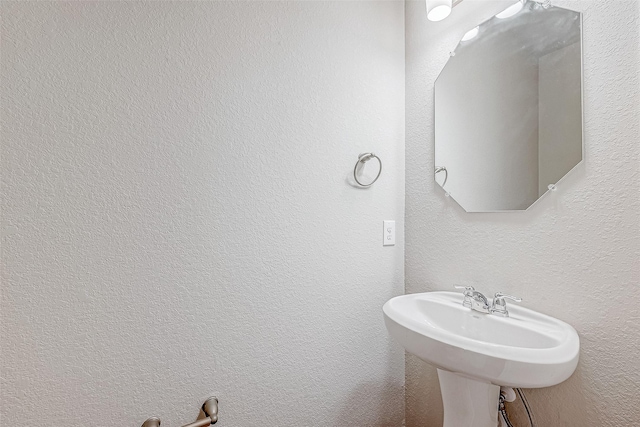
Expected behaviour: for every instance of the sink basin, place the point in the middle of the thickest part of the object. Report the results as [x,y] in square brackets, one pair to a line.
[526,349]
[480,352]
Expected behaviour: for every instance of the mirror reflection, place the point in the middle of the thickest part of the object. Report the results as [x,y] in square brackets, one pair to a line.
[508,109]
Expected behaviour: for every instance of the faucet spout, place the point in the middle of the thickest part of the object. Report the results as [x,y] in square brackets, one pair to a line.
[474,300]
[479,302]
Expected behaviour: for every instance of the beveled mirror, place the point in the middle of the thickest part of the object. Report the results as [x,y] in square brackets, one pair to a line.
[508,108]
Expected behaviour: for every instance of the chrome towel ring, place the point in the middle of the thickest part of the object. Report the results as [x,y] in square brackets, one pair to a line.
[362,159]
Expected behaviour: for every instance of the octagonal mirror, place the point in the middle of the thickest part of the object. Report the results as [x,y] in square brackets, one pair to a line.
[508,108]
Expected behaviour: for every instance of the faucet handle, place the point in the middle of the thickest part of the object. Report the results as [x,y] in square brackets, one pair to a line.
[499,305]
[467,289]
[468,293]
[500,295]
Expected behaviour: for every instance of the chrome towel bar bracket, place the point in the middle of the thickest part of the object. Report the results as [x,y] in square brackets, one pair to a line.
[209,408]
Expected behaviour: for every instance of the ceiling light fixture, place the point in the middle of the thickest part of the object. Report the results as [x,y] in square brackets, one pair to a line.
[437,10]
[511,10]
[470,34]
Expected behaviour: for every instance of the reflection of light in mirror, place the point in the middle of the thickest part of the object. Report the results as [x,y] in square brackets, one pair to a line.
[511,10]
[470,34]
[437,10]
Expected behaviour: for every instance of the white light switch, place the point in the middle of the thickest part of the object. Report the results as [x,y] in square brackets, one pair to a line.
[389,234]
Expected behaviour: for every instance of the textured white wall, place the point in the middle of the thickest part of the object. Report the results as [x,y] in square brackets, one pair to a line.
[177,216]
[575,255]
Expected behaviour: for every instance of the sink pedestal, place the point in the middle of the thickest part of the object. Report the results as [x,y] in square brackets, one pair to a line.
[468,402]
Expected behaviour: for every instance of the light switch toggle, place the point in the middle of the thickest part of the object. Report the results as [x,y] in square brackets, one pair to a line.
[389,233]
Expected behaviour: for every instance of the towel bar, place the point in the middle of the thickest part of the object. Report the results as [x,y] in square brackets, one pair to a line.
[209,408]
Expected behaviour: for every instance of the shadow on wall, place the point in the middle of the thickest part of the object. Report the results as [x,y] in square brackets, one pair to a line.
[425,388]
[422,389]
[569,396]
[386,396]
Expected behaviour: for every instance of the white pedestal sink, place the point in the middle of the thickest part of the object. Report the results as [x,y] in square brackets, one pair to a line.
[476,353]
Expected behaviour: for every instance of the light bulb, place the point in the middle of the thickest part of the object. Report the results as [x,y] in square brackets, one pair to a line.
[437,10]
[470,34]
[511,10]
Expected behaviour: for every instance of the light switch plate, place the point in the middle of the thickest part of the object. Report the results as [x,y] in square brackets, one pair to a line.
[389,233]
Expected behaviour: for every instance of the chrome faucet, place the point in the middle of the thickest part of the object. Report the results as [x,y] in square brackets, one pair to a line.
[474,300]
